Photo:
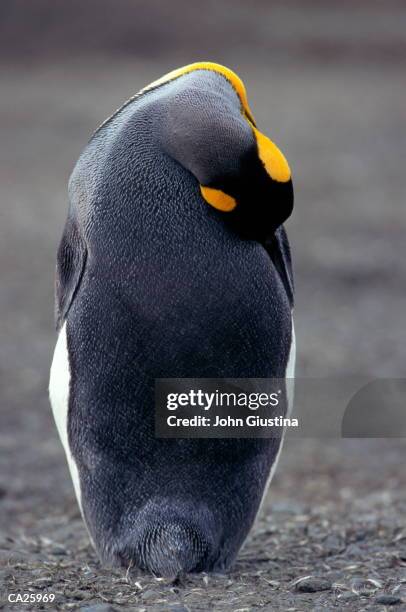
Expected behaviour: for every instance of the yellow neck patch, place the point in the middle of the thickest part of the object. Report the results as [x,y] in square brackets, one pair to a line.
[231,76]
[274,161]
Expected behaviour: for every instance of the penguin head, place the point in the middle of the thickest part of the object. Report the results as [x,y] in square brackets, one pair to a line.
[209,128]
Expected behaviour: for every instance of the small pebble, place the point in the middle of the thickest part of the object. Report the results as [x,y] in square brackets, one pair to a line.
[81,595]
[348,596]
[58,550]
[148,594]
[313,585]
[367,586]
[388,600]
[333,545]
[353,551]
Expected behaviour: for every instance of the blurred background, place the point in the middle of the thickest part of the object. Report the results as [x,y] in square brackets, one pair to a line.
[327,82]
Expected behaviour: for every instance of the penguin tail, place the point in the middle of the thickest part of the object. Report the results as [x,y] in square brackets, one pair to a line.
[168,539]
[172,549]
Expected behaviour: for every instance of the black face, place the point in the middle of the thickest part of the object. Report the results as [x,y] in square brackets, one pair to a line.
[263,204]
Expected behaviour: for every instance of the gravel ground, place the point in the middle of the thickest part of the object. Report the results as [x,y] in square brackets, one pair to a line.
[333,532]
[332,536]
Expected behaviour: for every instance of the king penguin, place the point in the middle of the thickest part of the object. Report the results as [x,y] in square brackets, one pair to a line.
[173,263]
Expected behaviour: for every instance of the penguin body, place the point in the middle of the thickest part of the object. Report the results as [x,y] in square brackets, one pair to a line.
[173,263]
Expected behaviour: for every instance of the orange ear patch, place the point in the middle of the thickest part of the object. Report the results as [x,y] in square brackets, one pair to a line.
[218,199]
[273,159]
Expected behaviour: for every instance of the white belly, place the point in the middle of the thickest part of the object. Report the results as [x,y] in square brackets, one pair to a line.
[290,372]
[59,396]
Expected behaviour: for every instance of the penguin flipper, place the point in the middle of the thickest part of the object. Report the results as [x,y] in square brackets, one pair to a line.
[277,247]
[71,261]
